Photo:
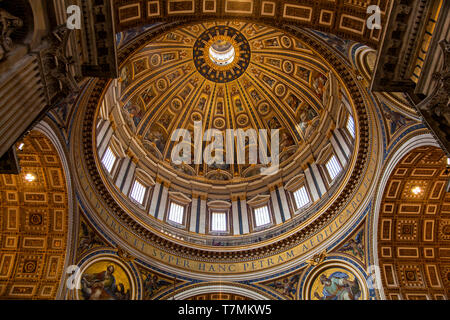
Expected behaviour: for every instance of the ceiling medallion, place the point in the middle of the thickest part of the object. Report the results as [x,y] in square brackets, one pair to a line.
[222,54]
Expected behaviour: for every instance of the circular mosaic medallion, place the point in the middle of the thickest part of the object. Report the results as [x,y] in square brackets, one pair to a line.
[335,280]
[221,54]
[219,123]
[106,278]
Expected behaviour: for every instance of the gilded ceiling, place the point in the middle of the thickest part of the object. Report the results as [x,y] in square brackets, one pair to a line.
[102,210]
[414,228]
[345,18]
[33,223]
[290,83]
[274,82]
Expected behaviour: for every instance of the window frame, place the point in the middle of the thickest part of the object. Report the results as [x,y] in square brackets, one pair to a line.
[183,217]
[327,172]
[144,197]
[115,162]
[227,222]
[351,136]
[269,215]
[308,194]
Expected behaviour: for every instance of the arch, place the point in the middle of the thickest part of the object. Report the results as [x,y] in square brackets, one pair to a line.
[244,291]
[35,207]
[401,224]
[409,145]
[49,131]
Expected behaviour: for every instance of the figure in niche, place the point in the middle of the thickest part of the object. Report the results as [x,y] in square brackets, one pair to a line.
[148,95]
[272,42]
[158,138]
[8,24]
[218,176]
[102,286]
[355,246]
[202,103]
[220,93]
[134,111]
[270,82]
[173,76]
[286,141]
[307,115]
[220,107]
[184,169]
[252,172]
[255,95]
[287,286]
[125,77]
[396,120]
[293,102]
[338,287]
[172,37]
[238,104]
[256,72]
[88,239]
[168,57]
[274,123]
[221,166]
[166,119]
[185,93]
[274,62]
[303,73]
[140,66]
[207,89]
[319,81]
[286,155]
[152,284]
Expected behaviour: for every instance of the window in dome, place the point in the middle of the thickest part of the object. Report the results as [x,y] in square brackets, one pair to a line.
[176,213]
[219,222]
[222,53]
[138,192]
[301,197]
[262,216]
[351,126]
[109,159]
[333,167]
